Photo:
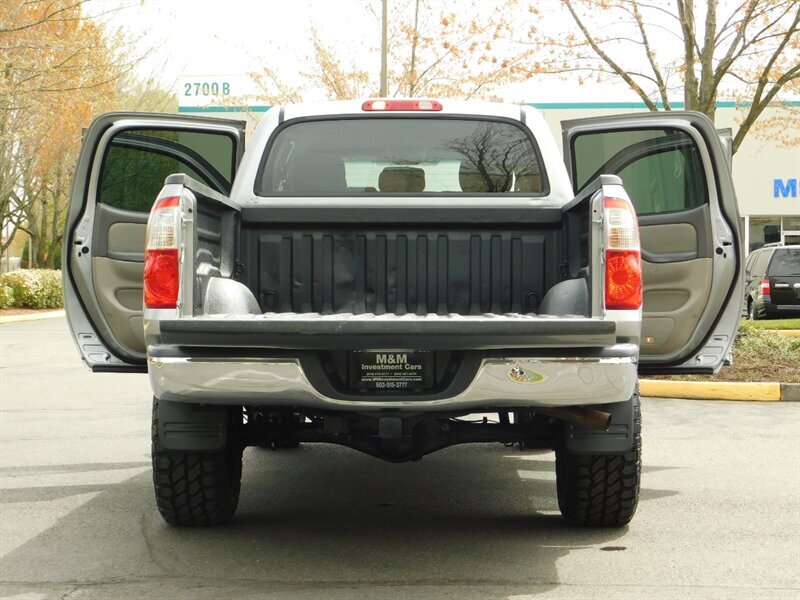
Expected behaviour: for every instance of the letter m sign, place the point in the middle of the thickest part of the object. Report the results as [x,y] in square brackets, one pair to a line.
[785,189]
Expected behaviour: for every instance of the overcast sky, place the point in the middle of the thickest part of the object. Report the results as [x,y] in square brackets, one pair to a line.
[237,37]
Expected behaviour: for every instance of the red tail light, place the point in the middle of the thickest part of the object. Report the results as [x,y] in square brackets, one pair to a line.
[623,279]
[763,289]
[161,266]
[623,273]
[161,278]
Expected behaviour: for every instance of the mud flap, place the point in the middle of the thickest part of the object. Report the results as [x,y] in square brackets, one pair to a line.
[192,427]
[617,440]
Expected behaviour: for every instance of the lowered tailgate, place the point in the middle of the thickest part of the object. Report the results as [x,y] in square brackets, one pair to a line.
[432,332]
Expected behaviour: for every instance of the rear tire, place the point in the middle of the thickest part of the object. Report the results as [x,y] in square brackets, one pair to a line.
[751,311]
[196,488]
[601,490]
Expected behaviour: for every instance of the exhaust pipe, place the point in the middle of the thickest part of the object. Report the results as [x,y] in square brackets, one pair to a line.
[588,417]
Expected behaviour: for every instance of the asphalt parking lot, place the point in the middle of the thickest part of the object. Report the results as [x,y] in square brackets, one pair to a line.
[719,515]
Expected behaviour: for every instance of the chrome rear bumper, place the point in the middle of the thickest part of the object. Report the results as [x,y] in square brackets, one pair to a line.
[506,382]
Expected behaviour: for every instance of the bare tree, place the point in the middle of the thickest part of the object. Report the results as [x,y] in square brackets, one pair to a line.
[339,82]
[437,48]
[59,68]
[454,49]
[743,50]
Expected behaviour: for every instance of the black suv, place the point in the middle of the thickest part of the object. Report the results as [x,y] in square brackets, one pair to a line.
[772,282]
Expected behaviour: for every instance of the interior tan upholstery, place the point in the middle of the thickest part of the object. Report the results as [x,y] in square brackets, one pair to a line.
[118,284]
[669,237]
[675,296]
[528,182]
[472,180]
[402,179]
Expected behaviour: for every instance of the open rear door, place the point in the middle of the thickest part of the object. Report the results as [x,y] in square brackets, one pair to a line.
[121,168]
[677,173]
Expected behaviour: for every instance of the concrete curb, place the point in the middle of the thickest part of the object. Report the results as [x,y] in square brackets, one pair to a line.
[790,392]
[785,332]
[32,316]
[701,390]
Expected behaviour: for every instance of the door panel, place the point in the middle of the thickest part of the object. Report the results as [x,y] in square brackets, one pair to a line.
[119,233]
[122,166]
[676,236]
[671,239]
[674,299]
[126,240]
[118,284]
[677,174]
[676,269]
[118,271]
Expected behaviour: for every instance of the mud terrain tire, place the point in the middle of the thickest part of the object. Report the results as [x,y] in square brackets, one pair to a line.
[196,488]
[601,490]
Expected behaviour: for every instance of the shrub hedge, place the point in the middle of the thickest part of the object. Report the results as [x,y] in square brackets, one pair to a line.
[31,288]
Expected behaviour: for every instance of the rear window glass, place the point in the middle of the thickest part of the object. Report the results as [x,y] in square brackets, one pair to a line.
[785,263]
[401,156]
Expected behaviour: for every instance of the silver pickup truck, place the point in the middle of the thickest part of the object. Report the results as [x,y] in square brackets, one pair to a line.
[372,273]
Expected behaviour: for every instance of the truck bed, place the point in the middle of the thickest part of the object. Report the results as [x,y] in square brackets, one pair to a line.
[403,261]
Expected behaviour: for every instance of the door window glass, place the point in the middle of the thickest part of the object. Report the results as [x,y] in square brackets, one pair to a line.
[748,267]
[138,160]
[760,266]
[661,169]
